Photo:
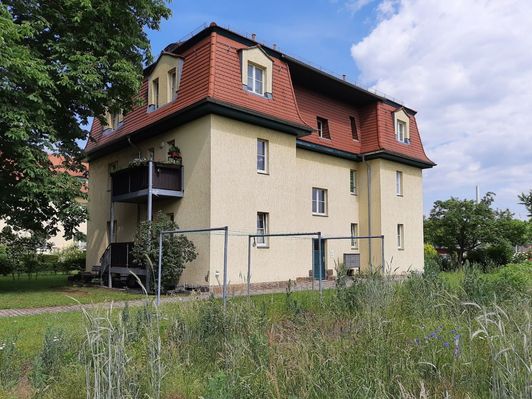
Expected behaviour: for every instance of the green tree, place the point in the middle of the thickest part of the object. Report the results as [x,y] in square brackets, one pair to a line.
[513,231]
[526,200]
[61,63]
[461,225]
[177,249]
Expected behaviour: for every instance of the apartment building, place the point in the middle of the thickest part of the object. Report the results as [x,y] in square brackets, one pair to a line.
[232,132]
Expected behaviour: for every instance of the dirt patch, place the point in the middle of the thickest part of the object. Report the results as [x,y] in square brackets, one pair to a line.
[72,291]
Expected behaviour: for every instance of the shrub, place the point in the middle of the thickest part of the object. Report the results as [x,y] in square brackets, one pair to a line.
[178,250]
[71,259]
[7,265]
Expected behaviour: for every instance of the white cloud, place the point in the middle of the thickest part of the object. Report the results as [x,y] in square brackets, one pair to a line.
[466,66]
[356,5]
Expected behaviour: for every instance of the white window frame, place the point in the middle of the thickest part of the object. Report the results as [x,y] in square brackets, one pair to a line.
[262,228]
[400,131]
[400,236]
[398,183]
[264,156]
[319,124]
[353,176]
[316,201]
[354,233]
[172,84]
[252,79]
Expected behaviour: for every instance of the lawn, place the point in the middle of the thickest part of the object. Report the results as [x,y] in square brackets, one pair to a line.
[52,290]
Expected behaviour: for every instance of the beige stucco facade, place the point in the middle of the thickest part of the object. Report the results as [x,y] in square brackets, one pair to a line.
[223,188]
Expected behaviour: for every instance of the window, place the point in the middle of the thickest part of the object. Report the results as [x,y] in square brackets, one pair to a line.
[172,84]
[398,183]
[262,156]
[353,182]
[323,128]
[262,228]
[400,132]
[319,201]
[354,233]
[400,236]
[155,93]
[255,79]
[354,132]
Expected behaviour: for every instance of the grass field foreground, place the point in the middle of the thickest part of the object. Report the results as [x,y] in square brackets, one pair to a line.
[52,290]
[422,337]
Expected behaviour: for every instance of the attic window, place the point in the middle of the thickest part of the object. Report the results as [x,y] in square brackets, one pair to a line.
[113,121]
[256,71]
[323,128]
[255,79]
[354,132]
[402,126]
[172,84]
[400,132]
[155,93]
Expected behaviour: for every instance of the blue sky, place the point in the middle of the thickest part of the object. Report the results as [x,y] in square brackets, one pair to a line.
[465,66]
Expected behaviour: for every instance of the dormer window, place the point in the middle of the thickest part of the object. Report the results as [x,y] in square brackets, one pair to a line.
[255,79]
[155,93]
[401,131]
[257,71]
[323,128]
[113,121]
[402,126]
[172,84]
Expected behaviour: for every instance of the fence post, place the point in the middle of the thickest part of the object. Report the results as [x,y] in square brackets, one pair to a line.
[320,264]
[249,262]
[159,268]
[382,255]
[224,294]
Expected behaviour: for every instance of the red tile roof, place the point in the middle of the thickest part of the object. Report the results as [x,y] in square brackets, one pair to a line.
[212,72]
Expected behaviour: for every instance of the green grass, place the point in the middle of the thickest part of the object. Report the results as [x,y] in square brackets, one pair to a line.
[422,337]
[52,290]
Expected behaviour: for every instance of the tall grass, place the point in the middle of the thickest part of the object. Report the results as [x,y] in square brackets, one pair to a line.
[369,338]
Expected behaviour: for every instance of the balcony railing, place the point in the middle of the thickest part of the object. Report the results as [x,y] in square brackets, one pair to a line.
[132,184]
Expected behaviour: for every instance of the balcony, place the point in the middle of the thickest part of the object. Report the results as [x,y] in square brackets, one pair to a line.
[132,184]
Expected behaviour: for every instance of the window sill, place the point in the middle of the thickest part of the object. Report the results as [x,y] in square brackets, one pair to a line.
[400,249]
[403,142]
[324,138]
[263,246]
[263,172]
[399,195]
[265,96]
[355,249]
[319,214]
[353,194]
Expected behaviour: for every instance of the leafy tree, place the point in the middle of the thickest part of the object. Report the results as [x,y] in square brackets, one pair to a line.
[178,250]
[61,63]
[513,231]
[526,200]
[461,225]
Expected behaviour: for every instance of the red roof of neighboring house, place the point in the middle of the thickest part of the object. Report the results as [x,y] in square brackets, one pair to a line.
[212,74]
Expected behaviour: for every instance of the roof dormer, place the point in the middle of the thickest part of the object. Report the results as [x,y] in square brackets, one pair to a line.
[164,80]
[256,71]
[401,122]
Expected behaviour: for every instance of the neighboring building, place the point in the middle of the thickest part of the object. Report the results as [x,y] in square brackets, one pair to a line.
[58,241]
[245,136]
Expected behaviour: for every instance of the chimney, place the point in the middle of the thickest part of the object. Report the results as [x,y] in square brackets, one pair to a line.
[253,37]
[344,77]
[274,46]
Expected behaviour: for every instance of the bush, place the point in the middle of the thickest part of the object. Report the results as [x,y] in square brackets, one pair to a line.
[178,250]
[7,266]
[511,281]
[71,259]
[492,256]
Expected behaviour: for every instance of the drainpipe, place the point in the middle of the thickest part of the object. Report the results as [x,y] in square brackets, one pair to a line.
[368,167]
